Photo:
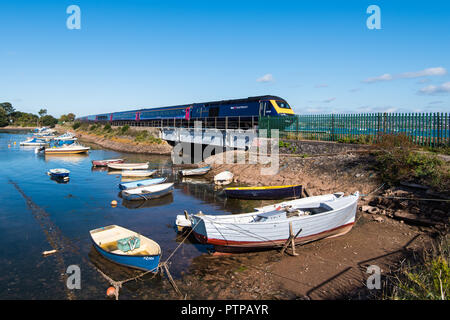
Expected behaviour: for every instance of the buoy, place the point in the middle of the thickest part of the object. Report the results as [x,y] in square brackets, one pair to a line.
[14,142]
[113,203]
[111,291]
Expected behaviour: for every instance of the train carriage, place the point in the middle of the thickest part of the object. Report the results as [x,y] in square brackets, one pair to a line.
[236,113]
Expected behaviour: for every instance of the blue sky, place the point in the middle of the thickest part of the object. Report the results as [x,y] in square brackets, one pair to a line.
[318,55]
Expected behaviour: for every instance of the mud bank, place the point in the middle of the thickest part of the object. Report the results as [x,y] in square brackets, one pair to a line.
[347,172]
[122,144]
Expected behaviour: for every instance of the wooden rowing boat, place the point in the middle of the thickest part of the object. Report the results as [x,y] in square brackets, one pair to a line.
[265,193]
[195,172]
[137,173]
[148,192]
[140,183]
[128,166]
[104,163]
[126,247]
[318,217]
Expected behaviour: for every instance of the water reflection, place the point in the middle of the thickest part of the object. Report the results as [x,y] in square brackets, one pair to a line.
[138,204]
[75,158]
[60,180]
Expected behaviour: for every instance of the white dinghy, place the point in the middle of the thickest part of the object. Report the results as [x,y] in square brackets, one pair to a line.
[318,217]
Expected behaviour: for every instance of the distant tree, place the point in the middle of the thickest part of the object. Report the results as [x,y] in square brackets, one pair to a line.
[42,112]
[70,117]
[4,121]
[7,107]
[63,118]
[48,121]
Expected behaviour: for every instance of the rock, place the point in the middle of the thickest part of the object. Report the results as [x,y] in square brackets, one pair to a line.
[378,219]
[412,218]
[415,210]
[401,193]
[370,209]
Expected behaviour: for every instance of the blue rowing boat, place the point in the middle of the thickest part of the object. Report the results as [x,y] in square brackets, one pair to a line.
[140,183]
[265,193]
[126,247]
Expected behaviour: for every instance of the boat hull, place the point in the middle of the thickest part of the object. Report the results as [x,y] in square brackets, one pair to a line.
[145,263]
[227,235]
[59,175]
[147,196]
[265,193]
[104,163]
[141,183]
[61,151]
[137,173]
[242,246]
[128,166]
[195,172]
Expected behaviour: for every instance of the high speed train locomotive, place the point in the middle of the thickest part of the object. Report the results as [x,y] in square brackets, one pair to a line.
[231,113]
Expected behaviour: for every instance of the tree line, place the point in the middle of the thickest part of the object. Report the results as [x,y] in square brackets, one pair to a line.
[9,116]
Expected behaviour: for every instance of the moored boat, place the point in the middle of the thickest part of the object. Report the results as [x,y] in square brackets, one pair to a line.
[126,247]
[318,217]
[104,163]
[148,192]
[140,183]
[34,142]
[136,173]
[265,193]
[59,173]
[195,172]
[73,148]
[128,166]
[223,178]
[66,136]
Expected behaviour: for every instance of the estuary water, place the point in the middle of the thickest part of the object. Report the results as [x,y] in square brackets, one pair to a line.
[38,214]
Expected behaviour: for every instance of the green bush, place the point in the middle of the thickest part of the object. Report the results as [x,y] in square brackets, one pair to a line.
[76,125]
[397,161]
[124,129]
[107,127]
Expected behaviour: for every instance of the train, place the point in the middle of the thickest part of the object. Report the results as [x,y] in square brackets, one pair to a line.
[242,113]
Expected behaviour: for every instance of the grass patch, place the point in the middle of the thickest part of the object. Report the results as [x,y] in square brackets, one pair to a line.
[427,280]
[287,145]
